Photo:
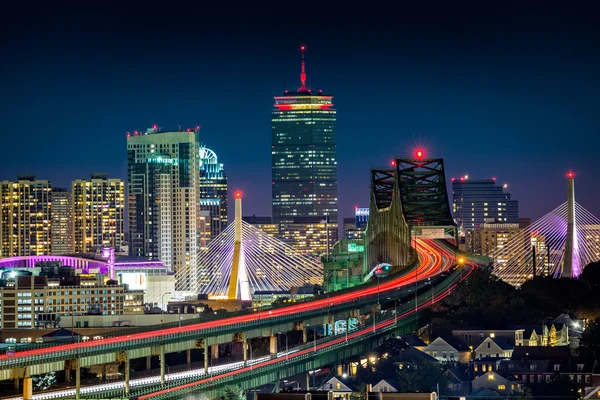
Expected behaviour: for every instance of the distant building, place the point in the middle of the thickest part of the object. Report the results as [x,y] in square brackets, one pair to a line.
[62,234]
[475,202]
[25,217]
[164,199]
[42,301]
[354,228]
[263,223]
[488,238]
[213,190]
[308,235]
[531,365]
[304,155]
[98,213]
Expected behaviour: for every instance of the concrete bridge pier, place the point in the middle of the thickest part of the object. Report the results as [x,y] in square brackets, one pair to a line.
[162,364]
[16,380]
[188,356]
[148,362]
[123,357]
[28,388]
[304,335]
[77,379]
[273,345]
[205,358]
[214,351]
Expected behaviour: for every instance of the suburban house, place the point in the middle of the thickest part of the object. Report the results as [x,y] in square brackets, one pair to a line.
[550,334]
[385,386]
[485,364]
[459,383]
[543,364]
[413,340]
[496,382]
[474,337]
[449,349]
[341,388]
[496,347]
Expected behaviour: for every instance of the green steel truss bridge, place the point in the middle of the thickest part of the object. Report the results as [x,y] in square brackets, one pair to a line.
[409,206]
[408,200]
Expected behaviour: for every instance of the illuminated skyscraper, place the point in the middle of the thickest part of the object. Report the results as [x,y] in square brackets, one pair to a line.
[62,222]
[478,201]
[213,190]
[98,213]
[163,172]
[303,155]
[25,217]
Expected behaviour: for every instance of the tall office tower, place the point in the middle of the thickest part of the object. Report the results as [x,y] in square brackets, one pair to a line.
[164,210]
[62,234]
[213,190]
[98,213]
[304,155]
[25,217]
[482,201]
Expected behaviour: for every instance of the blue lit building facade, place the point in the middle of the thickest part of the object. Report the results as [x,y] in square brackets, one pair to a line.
[475,202]
[213,190]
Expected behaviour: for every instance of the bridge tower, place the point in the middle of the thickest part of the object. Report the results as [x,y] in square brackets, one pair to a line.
[571,267]
[239,276]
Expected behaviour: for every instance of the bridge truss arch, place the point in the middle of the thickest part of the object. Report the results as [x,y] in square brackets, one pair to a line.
[408,200]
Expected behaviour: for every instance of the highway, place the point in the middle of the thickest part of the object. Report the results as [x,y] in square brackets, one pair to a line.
[434,259]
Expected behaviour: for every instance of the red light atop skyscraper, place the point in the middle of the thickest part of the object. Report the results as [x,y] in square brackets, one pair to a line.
[393,163]
[419,153]
[570,175]
[238,195]
[154,126]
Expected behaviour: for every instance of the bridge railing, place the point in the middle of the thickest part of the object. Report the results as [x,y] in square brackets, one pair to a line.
[98,347]
[407,311]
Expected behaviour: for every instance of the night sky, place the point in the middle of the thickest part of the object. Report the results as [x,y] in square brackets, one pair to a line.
[511,91]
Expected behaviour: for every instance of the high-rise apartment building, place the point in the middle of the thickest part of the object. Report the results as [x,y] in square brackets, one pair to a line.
[25,217]
[307,235]
[98,213]
[164,200]
[62,234]
[304,155]
[478,201]
[213,190]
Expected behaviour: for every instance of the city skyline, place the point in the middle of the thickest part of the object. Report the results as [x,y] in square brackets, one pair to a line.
[516,110]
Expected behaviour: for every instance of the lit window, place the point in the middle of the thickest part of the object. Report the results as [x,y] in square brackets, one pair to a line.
[501,387]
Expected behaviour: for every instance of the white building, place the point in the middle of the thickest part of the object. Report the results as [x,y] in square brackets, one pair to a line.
[164,200]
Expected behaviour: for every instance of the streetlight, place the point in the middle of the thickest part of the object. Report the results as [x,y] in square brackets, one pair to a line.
[162,299]
[286,344]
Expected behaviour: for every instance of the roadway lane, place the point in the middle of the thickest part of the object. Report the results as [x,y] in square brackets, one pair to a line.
[428,267]
[433,260]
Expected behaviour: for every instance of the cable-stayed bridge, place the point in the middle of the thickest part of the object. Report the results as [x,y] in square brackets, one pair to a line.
[412,220]
[265,264]
[561,244]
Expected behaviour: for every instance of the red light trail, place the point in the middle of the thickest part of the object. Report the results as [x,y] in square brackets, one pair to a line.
[431,263]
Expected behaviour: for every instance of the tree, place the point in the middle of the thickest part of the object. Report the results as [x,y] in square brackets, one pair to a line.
[589,346]
[591,274]
[44,381]
[423,377]
[234,393]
